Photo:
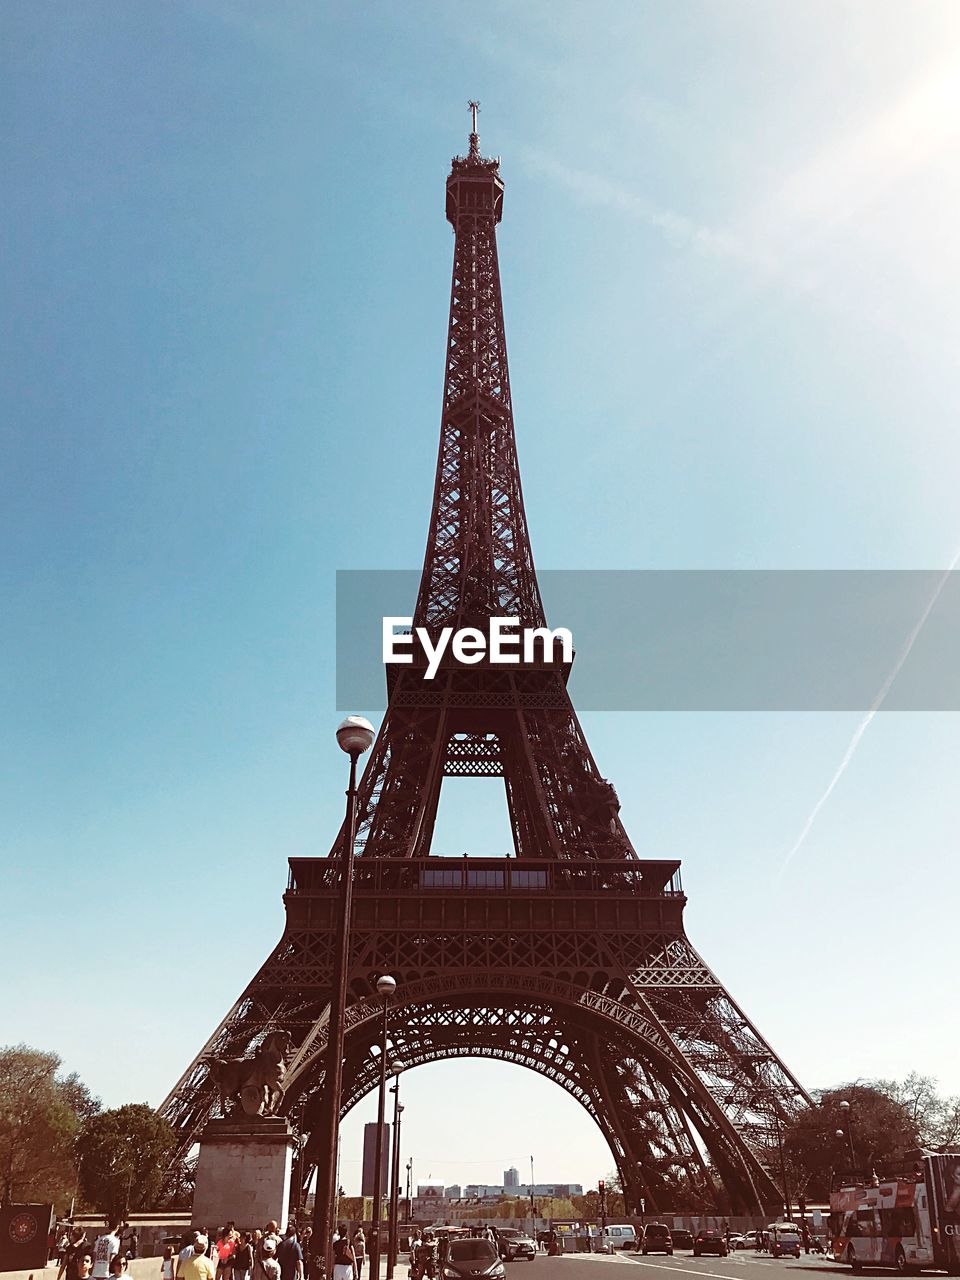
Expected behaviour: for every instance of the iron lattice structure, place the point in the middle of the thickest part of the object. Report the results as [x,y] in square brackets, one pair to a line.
[569,958]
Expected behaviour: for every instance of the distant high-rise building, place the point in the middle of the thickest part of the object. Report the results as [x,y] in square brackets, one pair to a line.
[511,1178]
[453,1193]
[369,1160]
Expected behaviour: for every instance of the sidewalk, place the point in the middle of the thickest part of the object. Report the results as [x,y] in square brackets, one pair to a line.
[137,1269]
[400,1272]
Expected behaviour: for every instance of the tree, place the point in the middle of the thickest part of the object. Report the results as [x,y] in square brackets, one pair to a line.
[122,1157]
[40,1115]
[947,1135]
[587,1206]
[882,1128]
[936,1119]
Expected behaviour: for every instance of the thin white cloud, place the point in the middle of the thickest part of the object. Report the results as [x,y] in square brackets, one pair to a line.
[874,708]
[590,188]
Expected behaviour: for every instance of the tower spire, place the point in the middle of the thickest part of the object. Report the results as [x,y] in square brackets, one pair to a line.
[474,136]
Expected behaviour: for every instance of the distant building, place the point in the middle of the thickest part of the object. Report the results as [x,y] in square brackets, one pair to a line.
[559,1190]
[487,1191]
[511,1179]
[454,1192]
[430,1191]
[370,1159]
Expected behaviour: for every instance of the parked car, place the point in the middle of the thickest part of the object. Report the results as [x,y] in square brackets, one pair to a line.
[618,1237]
[682,1239]
[468,1259]
[710,1242]
[736,1241]
[516,1244]
[656,1238]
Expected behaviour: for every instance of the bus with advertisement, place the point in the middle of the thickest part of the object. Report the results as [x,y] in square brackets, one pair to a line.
[908,1219]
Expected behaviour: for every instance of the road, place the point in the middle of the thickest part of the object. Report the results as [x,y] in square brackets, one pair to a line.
[744,1264]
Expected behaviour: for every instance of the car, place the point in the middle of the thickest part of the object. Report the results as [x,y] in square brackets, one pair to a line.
[782,1240]
[710,1242]
[682,1239]
[656,1238]
[736,1241]
[618,1237]
[515,1244]
[468,1259]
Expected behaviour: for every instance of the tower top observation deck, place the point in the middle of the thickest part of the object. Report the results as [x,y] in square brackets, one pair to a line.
[474,188]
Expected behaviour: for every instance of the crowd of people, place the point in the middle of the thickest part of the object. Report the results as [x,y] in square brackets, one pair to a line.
[240,1255]
[225,1255]
[81,1261]
[232,1254]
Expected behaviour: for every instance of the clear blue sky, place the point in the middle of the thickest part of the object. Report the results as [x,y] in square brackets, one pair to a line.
[730,262]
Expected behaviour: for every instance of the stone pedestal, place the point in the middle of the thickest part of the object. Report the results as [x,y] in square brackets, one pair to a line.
[243,1173]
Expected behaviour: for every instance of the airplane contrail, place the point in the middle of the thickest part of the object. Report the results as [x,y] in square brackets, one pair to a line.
[874,708]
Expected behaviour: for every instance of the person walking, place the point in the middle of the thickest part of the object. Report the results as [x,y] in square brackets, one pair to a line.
[71,1254]
[269,1263]
[198,1266]
[225,1248]
[243,1258]
[359,1251]
[344,1259]
[168,1264]
[290,1255]
[105,1250]
[306,1244]
[264,1250]
[190,1249]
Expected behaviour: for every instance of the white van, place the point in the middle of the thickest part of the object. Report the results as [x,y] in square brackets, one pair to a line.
[621,1237]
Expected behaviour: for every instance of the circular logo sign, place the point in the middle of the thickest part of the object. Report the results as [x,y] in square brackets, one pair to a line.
[23,1227]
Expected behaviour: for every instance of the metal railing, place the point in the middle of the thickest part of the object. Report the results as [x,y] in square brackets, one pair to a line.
[378,876]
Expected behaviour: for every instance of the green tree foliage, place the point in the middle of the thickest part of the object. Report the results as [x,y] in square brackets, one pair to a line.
[40,1116]
[882,1129]
[122,1157]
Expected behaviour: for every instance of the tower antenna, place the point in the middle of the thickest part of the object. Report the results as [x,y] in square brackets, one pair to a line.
[474,136]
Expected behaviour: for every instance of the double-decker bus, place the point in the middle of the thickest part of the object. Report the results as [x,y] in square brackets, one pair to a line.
[909,1219]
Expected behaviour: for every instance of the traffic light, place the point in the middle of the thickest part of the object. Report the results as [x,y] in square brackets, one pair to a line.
[600,1186]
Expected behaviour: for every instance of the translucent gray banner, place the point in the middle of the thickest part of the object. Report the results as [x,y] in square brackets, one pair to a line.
[750,640]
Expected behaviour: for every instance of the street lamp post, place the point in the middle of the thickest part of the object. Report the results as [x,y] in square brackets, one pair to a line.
[407,1209]
[847,1111]
[354,736]
[394,1180]
[386,986]
[783,1167]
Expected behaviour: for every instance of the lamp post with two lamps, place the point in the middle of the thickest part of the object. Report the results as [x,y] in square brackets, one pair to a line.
[846,1110]
[355,736]
[386,986]
[394,1180]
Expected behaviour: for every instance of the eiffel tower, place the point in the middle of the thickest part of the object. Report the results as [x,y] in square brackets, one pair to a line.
[569,957]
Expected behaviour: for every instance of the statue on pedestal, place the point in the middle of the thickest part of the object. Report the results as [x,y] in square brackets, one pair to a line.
[253,1085]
